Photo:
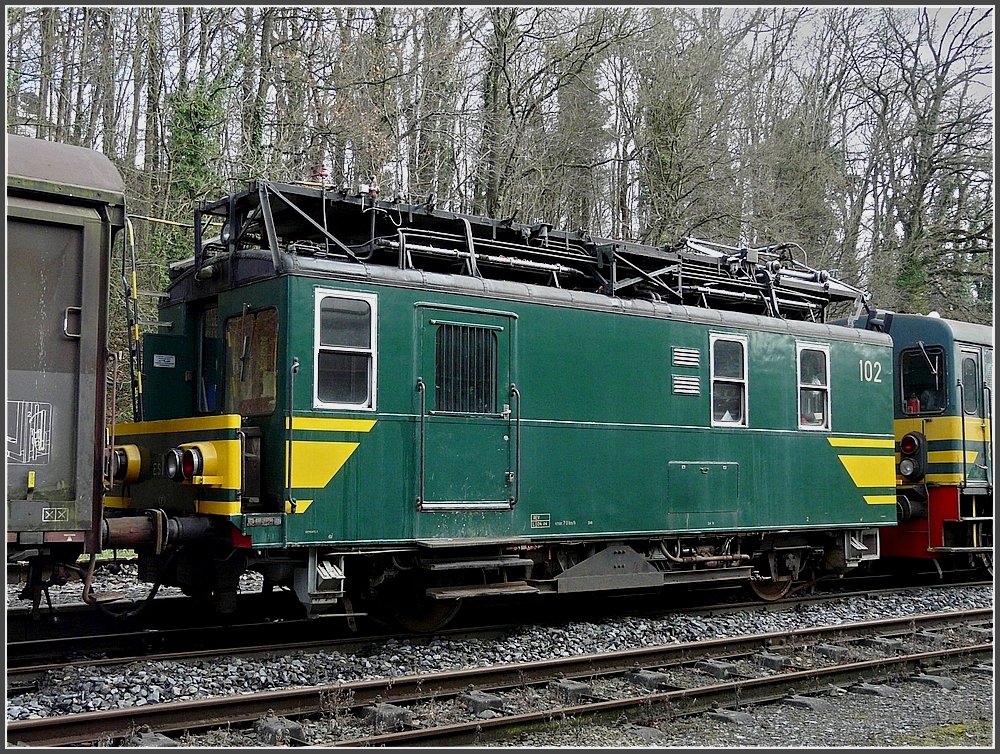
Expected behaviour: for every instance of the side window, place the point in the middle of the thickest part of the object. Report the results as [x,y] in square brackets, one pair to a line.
[345,350]
[465,369]
[251,356]
[988,368]
[208,367]
[729,381]
[922,380]
[814,386]
[970,385]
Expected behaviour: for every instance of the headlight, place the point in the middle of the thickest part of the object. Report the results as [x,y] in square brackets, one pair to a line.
[907,467]
[192,463]
[172,464]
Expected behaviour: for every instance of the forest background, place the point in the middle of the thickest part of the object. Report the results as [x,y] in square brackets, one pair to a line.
[864,134]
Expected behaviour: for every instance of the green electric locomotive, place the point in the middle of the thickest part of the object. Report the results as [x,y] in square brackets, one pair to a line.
[388,403]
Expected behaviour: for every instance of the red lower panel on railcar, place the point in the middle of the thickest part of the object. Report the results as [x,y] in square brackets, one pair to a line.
[913,539]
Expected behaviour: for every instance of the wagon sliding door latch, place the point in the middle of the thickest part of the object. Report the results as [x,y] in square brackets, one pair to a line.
[77,311]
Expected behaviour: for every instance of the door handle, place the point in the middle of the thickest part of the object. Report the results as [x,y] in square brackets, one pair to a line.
[78,310]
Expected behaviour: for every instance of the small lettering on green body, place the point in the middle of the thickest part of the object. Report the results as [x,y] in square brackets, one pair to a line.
[541,520]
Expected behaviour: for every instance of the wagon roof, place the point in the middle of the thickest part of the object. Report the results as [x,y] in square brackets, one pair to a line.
[75,173]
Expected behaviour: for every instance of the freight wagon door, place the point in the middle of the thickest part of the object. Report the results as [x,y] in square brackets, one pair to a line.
[54,355]
[465,421]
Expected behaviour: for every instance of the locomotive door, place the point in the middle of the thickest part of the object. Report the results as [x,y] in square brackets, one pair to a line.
[465,434]
[974,396]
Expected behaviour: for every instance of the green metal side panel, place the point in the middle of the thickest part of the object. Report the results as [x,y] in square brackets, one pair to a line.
[707,493]
[611,435]
[167,376]
[601,433]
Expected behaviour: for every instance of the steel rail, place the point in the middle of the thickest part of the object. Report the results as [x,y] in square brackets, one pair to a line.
[87,727]
[689,701]
[28,659]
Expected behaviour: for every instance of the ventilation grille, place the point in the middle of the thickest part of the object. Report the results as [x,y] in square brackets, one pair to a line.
[685,385]
[686,357]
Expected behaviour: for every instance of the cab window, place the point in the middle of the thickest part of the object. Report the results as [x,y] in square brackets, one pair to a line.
[251,355]
[208,366]
[922,380]
[970,385]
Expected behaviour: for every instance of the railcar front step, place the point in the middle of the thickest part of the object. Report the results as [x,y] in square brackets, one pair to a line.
[482,590]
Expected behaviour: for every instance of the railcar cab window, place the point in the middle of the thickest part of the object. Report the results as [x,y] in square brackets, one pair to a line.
[923,380]
[251,356]
[970,385]
[729,381]
[987,377]
[814,386]
[345,350]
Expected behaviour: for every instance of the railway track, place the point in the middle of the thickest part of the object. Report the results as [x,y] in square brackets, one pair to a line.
[476,704]
[27,660]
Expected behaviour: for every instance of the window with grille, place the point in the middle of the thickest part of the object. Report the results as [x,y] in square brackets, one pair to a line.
[465,369]
[345,350]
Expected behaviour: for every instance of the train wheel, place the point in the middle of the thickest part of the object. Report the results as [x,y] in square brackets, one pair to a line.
[986,558]
[770,590]
[425,615]
[406,604]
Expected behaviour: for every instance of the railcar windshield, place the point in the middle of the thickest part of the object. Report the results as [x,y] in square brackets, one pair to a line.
[923,380]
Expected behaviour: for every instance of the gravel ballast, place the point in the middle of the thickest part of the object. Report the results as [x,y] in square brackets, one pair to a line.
[959,717]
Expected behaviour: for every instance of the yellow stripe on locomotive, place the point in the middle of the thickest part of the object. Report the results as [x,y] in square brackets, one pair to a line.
[955,447]
[869,469]
[203,456]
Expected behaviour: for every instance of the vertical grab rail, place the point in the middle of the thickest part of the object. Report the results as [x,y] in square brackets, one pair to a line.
[289,500]
[515,393]
[961,419]
[988,440]
[109,451]
[422,389]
